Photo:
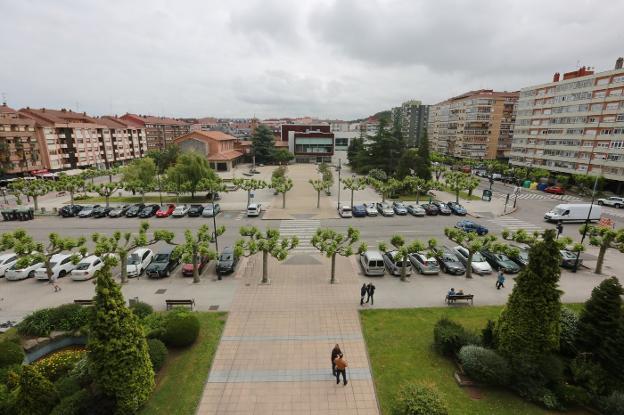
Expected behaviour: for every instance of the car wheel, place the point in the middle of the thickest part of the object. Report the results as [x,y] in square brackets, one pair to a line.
[600,202]
[617,206]
[167,273]
[31,274]
[62,273]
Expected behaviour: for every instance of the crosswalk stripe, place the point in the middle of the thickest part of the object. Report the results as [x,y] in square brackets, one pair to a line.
[514,224]
[304,229]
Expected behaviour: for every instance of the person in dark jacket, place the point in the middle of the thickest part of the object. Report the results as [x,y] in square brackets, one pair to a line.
[341,368]
[370,289]
[336,352]
[363,292]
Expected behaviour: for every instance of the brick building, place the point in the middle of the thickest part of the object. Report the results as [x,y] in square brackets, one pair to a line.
[20,145]
[309,142]
[160,131]
[223,151]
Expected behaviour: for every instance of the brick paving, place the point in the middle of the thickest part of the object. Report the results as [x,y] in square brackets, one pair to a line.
[274,356]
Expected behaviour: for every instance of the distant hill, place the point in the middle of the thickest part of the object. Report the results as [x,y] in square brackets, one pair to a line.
[378,115]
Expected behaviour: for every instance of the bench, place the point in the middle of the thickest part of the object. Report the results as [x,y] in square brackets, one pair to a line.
[453,298]
[172,303]
[83,302]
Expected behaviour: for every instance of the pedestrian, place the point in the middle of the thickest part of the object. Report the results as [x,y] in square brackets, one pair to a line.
[500,281]
[559,229]
[53,279]
[370,290]
[341,368]
[336,352]
[363,292]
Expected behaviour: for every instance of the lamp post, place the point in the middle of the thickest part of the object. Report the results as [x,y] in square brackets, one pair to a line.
[578,254]
[339,170]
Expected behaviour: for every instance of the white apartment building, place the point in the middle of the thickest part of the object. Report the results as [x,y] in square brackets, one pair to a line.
[573,125]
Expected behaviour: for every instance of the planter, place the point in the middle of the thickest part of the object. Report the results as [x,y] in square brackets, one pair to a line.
[39,347]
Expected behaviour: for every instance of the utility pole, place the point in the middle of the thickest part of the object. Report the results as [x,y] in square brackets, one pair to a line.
[339,170]
[578,254]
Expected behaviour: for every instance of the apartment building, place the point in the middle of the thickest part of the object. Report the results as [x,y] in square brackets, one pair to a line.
[476,125]
[574,124]
[20,145]
[120,140]
[309,142]
[413,117]
[160,131]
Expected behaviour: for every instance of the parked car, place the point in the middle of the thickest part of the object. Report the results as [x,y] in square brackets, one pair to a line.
[87,211]
[118,211]
[399,208]
[227,261]
[522,259]
[13,273]
[449,262]
[479,264]
[394,265]
[385,209]
[138,261]
[443,209]
[615,201]
[165,211]
[372,263]
[180,211]
[457,209]
[163,264]
[133,211]
[430,209]
[416,210]
[61,265]
[345,211]
[424,264]
[557,190]
[254,210]
[359,211]
[86,268]
[210,210]
[6,261]
[187,268]
[101,212]
[195,211]
[500,262]
[371,209]
[213,196]
[568,259]
[470,226]
[69,211]
[149,211]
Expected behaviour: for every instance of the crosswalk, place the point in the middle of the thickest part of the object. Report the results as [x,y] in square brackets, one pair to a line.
[303,229]
[619,213]
[513,224]
[536,196]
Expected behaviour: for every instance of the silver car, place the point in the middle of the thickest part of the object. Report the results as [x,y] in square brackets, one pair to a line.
[394,265]
[371,209]
[416,210]
[424,264]
[399,208]
[209,212]
[385,209]
[479,264]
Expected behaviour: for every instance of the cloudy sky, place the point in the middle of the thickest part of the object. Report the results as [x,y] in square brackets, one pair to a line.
[327,58]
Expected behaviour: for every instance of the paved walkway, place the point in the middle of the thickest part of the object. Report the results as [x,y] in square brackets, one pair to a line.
[274,356]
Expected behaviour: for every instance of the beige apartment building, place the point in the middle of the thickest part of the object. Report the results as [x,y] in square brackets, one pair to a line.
[160,131]
[574,124]
[20,146]
[122,140]
[476,125]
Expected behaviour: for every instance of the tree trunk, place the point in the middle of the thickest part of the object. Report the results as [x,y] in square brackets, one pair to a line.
[417,196]
[404,269]
[110,178]
[352,191]
[600,260]
[107,199]
[48,268]
[383,197]
[470,193]
[457,196]
[469,265]
[195,270]
[333,269]
[71,196]
[123,260]
[248,196]
[318,199]
[265,258]
[36,202]
[284,200]
[142,196]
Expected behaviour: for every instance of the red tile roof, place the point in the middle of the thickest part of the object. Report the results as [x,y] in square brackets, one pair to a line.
[150,119]
[4,109]
[225,155]
[114,122]
[210,135]
[58,116]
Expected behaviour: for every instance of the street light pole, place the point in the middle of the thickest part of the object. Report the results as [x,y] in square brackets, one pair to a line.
[339,170]
[578,254]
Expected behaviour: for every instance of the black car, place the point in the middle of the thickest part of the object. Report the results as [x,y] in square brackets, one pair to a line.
[443,209]
[118,211]
[522,257]
[148,211]
[227,261]
[69,211]
[449,262]
[430,209]
[163,264]
[134,210]
[500,262]
[195,211]
[101,211]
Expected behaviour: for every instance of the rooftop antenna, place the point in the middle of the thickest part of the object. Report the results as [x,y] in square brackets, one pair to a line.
[4,99]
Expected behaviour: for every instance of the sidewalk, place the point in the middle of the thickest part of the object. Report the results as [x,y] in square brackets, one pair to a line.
[274,356]
[477,208]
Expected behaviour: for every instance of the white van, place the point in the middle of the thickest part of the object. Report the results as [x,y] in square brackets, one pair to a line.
[372,263]
[345,211]
[253,209]
[573,213]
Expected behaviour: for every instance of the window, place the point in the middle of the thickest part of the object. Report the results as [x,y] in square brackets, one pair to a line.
[617,79]
[602,81]
[612,106]
[600,94]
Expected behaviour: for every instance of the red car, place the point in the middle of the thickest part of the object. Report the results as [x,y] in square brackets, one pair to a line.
[557,190]
[187,269]
[165,212]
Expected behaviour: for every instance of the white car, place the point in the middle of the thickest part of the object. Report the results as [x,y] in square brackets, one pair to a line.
[371,209]
[15,274]
[180,211]
[6,260]
[61,265]
[479,264]
[138,261]
[345,211]
[253,209]
[615,201]
[86,268]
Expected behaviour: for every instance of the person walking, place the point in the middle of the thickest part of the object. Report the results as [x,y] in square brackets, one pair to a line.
[559,229]
[363,292]
[341,368]
[336,352]
[53,279]
[370,289]
[500,281]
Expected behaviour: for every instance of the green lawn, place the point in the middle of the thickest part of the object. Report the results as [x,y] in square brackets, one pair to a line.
[148,199]
[425,198]
[180,382]
[399,344]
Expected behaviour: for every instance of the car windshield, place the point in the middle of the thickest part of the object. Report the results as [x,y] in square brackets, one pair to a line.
[477,257]
[568,254]
[225,257]
[134,259]
[431,262]
[558,211]
[83,265]
[53,264]
[524,255]
[161,258]
[502,257]
[450,258]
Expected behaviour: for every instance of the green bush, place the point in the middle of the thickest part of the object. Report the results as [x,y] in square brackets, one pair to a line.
[141,309]
[11,354]
[181,328]
[419,399]
[36,324]
[485,365]
[538,380]
[572,395]
[157,352]
[6,401]
[449,337]
[58,364]
[67,386]
[67,317]
[36,395]
[488,335]
[74,404]
[154,325]
[80,372]
[9,375]
[612,404]
[568,321]
[591,376]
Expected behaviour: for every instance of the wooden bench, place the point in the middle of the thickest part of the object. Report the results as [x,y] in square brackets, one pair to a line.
[83,302]
[172,303]
[451,299]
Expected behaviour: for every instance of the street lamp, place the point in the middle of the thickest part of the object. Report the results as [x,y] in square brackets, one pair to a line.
[578,254]
[339,170]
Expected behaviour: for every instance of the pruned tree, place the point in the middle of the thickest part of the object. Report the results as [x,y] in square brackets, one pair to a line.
[196,246]
[354,183]
[249,185]
[140,175]
[56,245]
[472,242]
[282,185]
[318,185]
[90,174]
[471,183]
[20,242]
[106,190]
[418,185]
[32,188]
[282,156]
[332,243]
[438,169]
[456,182]
[386,188]
[604,238]
[403,250]
[70,184]
[522,236]
[268,242]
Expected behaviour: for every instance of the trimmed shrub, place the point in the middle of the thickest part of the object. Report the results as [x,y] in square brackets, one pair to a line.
[36,395]
[449,337]
[485,365]
[157,352]
[154,325]
[58,364]
[181,328]
[141,309]
[9,375]
[67,317]
[36,324]
[11,335]
[419,399]
[11,354]
[74,404]
[568,321]
[67,386]
[612,404]
[488,335]
[591,376]
[572,395]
